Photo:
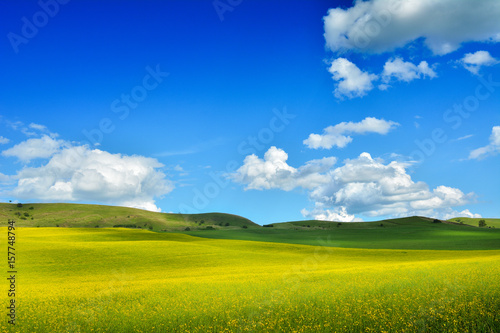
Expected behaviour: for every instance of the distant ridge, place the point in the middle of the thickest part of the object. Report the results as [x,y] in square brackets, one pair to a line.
[101,216]
[321,224]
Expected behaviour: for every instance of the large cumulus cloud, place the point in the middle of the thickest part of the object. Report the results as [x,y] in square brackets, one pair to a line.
[78,173]
[361,186]
[379,26]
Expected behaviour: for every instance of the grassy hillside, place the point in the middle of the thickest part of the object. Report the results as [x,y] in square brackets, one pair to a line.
[125,280]
[91,216]
[475,221]
[405,233]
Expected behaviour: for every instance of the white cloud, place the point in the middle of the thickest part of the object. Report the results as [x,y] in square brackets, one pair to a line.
[77,173]
[15,125]
[465,137]
[178,168]
[41,128]
[383,86]
[338,214]
[378,26]
[443,196]
[491,149]
[464,213]
[406,71]
[352,82]
[474,61]
[43,147]
[337,135]
[29,130]
[363,185]
[424,70]
[274,172]
[3,140]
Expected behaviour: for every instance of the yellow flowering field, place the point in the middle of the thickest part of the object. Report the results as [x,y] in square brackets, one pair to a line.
[119,280]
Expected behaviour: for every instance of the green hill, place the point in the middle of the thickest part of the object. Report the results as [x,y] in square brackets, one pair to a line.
[403,233]
[397,222]
[475,221]
[92,216]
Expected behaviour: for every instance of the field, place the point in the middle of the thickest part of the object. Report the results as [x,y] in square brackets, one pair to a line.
[131,280]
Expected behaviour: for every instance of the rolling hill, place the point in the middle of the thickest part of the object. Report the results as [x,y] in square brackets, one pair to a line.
[92,216]
[404,233]
[475,221]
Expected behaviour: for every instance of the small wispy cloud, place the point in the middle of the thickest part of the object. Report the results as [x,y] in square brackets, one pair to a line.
[30,130]
[465,137]
[41,128]
[178,168]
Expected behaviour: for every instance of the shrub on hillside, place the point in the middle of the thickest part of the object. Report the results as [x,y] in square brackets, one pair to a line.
[126,226]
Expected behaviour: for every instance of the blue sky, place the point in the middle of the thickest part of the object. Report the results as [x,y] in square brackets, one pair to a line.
[273,110]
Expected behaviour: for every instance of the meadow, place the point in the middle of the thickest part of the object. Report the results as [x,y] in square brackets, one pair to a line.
[130,280]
